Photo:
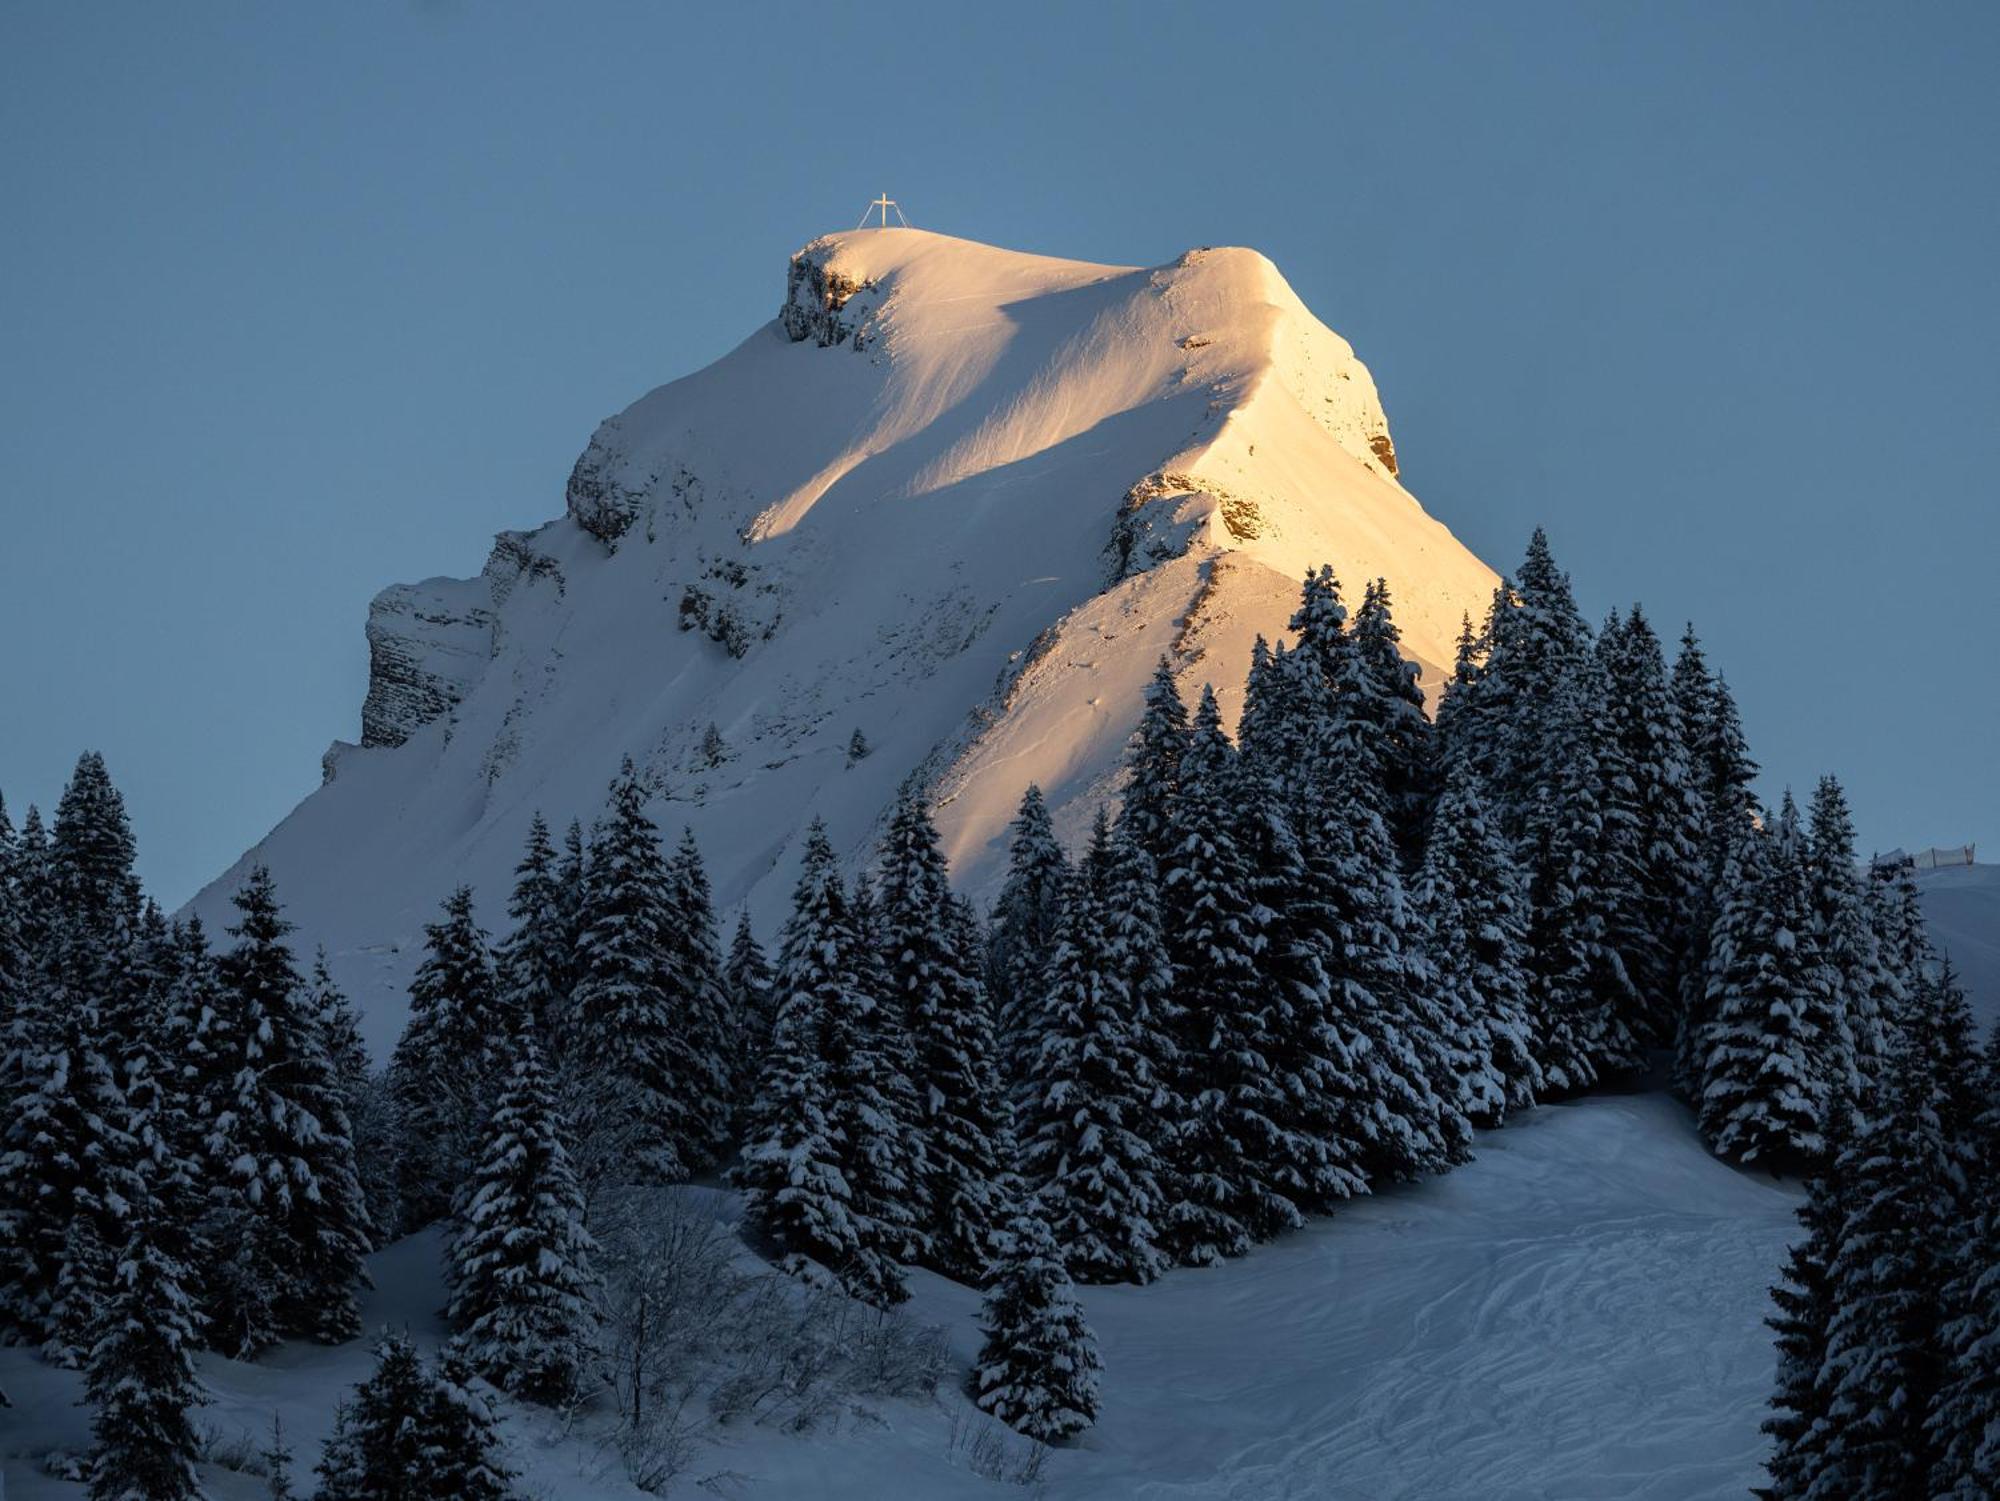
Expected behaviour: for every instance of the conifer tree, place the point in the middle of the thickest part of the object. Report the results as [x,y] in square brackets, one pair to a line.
[1723,772]
[822,1150]
[414,1434]
[1964,1421]
[1469,895]
[364,1098]
[1227,1150]
[1845,941]
[1881,1364]
[534,963]
[1153,767]
[747,977]
[1038,1368]
[1315,1160]
[624,1010]
[440,1073]
[1089,1129]
[1137,951]
[1766,1087]
[1024,926]
[1395,703]
[1667,824]
[1805,1303]
[141,1382]
[521,1259]
[962,1111]
[295,1170]
[697,1044]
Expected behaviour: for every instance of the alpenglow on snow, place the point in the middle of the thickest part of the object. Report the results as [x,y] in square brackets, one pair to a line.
[953,504]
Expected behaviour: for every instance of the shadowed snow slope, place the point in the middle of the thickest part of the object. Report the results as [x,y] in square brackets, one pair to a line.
[957,498]
[1575,1315]
[1962,907]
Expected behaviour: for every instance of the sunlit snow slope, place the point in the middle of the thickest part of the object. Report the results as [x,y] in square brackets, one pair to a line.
[957,498]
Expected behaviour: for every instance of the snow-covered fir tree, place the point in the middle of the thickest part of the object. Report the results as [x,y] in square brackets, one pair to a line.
[1311,1063]
[1651,931]
[697,1044]
[415,1433]
[1024,926]
[1845,941]
[140,1380]
[371,1113]
[1038,1368]
[625,1012]
[1964,1420]
[295,1170]
[1723,773]
[535,961]
[1153,766]
[1468,894]
[962,1109]
[1766,1082]
[1881,1367]
[1804,1299]
[747,977]
[522,1273]
[820,1157]
[442,1068]
[1409,758]
[1090,1136]
[1228,1158]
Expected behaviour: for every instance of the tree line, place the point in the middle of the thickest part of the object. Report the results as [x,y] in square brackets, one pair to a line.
[1304,960]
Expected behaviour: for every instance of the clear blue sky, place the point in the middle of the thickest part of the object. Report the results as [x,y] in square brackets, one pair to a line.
[299,301]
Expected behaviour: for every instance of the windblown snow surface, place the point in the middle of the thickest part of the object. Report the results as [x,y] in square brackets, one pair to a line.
[1575,1314]
[957,498]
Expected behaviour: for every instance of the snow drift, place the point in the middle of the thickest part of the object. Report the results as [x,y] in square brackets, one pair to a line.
[956,498]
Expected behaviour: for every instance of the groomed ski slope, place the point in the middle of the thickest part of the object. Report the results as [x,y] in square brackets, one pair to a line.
[1576,1314]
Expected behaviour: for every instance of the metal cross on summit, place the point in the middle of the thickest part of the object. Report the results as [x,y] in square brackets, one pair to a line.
[884,203]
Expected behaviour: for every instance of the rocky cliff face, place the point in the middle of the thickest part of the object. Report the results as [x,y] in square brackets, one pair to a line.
[953,497]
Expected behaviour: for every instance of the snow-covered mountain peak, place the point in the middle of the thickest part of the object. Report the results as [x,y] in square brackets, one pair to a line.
[957,498]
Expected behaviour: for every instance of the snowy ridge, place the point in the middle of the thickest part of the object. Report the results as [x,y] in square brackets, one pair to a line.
[955,497]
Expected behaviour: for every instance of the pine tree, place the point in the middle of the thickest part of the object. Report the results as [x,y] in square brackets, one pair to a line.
[697,1044]
[1314,1160]
[295,1172]
[440,1073]
[1024,926]
[821,1138]
[961,1109]
[521,1260]
[1227,1152]
[364,1098]
[1723,772]
[747,977]
[1766,1086]
[625,1013]
[1153,767]
[277,1458]
[414,1434]
[1964,1422]
[1882,1350]
[534,964]
[1037,1370]
[1805,1303]
[1845,941]
[1475,932]
[1089,1130]
[1667,824]
[141,1381]
[1395,703]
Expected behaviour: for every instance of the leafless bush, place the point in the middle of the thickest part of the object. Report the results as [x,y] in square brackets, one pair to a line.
[995,1452]
[693,1341]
